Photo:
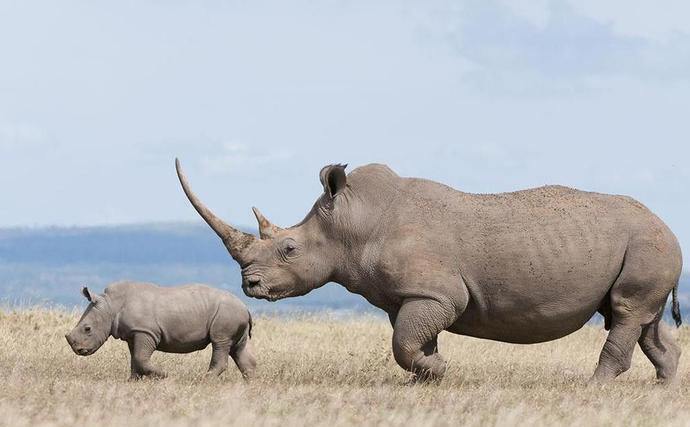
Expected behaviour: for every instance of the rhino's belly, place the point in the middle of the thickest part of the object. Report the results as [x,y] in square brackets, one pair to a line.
[183,346]
[184,337]
[521,330]
[541,290]
[525,316]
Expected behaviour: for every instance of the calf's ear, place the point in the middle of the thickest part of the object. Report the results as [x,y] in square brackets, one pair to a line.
[333,179]
[86,293]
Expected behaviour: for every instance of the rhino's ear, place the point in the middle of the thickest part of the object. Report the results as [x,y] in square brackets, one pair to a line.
[333,179]
[87,294]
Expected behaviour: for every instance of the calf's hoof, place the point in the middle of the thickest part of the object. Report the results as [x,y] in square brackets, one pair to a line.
[156,376]
[425,378]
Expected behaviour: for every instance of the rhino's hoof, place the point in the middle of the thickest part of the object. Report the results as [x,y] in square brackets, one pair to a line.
[424,378]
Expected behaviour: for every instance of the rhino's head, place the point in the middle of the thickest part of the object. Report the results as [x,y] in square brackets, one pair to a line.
[284,262]
[93,329]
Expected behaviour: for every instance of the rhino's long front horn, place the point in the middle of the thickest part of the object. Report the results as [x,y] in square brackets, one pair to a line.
[236,241]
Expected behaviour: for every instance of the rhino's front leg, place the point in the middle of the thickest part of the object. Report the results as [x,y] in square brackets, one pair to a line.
[415,331]
[141,347]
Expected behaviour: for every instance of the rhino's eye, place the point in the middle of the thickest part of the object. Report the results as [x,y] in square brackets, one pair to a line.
[87,328]
[289,246]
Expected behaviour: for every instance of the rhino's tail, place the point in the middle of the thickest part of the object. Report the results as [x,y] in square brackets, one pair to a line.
[251,323]
[675,307]
[246,335]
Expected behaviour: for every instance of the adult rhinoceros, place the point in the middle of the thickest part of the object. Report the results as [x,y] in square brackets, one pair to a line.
[522,267]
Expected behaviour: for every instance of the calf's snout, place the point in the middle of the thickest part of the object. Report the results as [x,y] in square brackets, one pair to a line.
[78,350]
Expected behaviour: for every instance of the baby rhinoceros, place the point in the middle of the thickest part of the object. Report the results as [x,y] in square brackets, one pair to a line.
[178,319]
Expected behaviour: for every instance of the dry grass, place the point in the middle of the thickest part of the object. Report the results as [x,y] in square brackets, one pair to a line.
[316,370]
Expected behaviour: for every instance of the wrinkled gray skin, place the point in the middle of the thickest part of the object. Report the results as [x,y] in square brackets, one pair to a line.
[179,319]
[522,267]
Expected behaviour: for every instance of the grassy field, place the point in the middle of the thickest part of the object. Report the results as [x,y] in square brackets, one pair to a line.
[317,370]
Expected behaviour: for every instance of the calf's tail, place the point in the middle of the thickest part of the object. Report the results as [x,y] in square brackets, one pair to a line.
[675,307]
[251,323]
[246,335]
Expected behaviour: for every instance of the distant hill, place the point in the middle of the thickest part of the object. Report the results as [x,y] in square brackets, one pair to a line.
[130,244]
[49,265]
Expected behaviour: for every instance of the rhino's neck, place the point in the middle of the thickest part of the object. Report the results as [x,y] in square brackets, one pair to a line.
[114,308]
[358,271]
[366,285]
[361,229]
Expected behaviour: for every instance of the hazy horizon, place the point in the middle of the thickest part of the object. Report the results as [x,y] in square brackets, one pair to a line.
[48,266]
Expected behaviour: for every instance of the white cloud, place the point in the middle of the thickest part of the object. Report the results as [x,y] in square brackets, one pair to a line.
[655,21]
[536,12]
[238,157]
[539,48]
[20,135]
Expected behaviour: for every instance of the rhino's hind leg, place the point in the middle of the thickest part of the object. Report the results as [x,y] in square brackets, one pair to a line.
[141,347]
[244,358]
[635,307]
[660,348]
[650,270]
[219,358]
[415,332]
[617,353]
[626,320]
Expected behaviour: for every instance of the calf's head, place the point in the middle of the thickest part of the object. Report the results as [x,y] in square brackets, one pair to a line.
[93,329]
[283,262]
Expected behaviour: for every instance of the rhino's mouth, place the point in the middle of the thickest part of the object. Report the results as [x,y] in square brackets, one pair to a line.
[262,292]
[257,291]
[84,351]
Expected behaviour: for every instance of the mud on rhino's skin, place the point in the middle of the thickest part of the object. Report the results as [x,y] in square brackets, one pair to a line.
[521,267]
[178,319]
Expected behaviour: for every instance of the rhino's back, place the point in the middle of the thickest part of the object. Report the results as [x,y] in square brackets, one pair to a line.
[151,293]
[542,223]
[553,232]
[546,225]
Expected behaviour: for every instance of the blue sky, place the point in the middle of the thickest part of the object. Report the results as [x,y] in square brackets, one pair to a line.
[97,98]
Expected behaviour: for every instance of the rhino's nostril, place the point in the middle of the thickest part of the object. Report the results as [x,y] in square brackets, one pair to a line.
[253,282]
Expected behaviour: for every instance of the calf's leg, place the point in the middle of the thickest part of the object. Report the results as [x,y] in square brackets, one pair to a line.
[244,358]
[141,347]
[219,358]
